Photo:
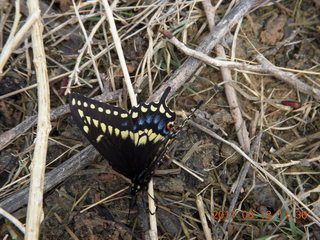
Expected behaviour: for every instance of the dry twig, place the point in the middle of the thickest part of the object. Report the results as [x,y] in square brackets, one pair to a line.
[186,70]
[35,211]
[265,67]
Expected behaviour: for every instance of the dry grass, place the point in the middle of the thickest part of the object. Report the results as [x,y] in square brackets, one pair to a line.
[246,166]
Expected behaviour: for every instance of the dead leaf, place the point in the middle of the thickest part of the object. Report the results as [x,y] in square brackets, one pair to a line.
[274,30]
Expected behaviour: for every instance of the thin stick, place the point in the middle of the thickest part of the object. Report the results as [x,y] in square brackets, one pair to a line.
[187,69]
[187,170]
[12,44]
[35,211]
[104,199]
[152,208]
[13,220]
[88,45]
[242,133]
[205,227]
[117,43]
[15,25]
[265,67]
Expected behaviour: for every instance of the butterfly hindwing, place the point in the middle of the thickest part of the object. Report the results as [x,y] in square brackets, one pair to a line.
[151,121]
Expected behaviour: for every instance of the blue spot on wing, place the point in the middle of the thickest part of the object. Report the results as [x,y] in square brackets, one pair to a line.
[156,119]
[149,119]
[124,124]
[161,125]
[165,131]
[141,121]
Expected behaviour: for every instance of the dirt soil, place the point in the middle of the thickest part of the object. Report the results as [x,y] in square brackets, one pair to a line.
[281,121]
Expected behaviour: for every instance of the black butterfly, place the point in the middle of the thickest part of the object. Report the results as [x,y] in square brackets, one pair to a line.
[133,142]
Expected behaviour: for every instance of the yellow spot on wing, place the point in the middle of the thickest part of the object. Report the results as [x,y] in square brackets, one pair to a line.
[100,109]
[149,132]
[108,111]
[143,109]
[131,135]
[80,113]
[73,102]
[79,103]
[158,138]
[124,134]
[95,122]
[142,140]
[117,131]
[85,104]
[92,106]
[162,110]
[152,136]
[99,138]
[103,127]
[124,115]
[86,129]
[115,113]
[134,114]
[88,119]
[168,115]
[153,108]
[136,138]
[110,129]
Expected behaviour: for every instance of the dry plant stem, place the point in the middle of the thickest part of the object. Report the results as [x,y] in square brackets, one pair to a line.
[133,100]
[242,133]
[74,74]
[260,169]
[9,136]
[17,17]
[35,211]
[265,67]
[289,78]
[187,69]
[205,227]
[53,178]
[297,142]
[153,232]
[240,126]
[104,199]
[12,43]
[117,43]
[13,220]
[88,42]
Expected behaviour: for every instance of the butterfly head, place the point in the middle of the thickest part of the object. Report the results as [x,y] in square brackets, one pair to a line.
[135,188]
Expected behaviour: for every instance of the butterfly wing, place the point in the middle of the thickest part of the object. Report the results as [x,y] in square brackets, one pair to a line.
[133,142]
[150,126]
[109,130]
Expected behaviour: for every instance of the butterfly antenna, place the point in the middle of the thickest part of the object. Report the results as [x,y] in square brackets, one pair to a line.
[165,94]
[189,117]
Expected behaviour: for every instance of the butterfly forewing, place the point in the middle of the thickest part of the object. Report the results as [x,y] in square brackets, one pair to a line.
[108,128]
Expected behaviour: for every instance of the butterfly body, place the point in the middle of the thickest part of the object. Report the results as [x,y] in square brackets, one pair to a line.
[134,141]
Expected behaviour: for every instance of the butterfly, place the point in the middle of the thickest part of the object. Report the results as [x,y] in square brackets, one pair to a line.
[134,142]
